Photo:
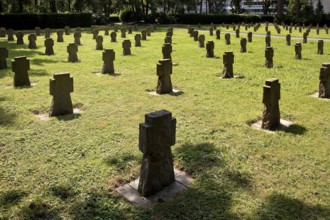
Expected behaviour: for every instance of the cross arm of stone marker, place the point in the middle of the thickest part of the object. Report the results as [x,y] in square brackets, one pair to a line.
[109,55]
[272,91]
[23,64]
[61,82]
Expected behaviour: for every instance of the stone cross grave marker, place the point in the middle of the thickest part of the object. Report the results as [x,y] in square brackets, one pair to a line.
[201,40]
[77,36]
[195,35]
[106,31]
[271,96]
[217,33]
[237,33]
[19,38]
[108,56]
[72,50]
[324,87]
[298,49]
[123,33]
[95,33]
[320,45]
[10,33]
[37,31]
[228,61]
[47,33]
[288,40]
[99,42]
[2,32]
[20,66]
[60,88]
[113,36]
[156,136]
[126,47]
[211,31]
[67,30]
[3,56]
[209,49]
[168,40]
[32,41]
[164,71]
[227,38]
[243,45]
[249,35]
[144,34]
[269,54]
[130,30]
[305,37]
[49,43]
[268,41]
[167,51]
[60,36]
[137,39]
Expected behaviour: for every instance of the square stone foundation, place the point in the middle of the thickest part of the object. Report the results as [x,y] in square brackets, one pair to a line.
[174,92]
[130,192]
[316,95]
[284,124]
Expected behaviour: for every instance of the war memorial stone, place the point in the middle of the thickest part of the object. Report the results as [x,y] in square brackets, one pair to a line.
[20,66]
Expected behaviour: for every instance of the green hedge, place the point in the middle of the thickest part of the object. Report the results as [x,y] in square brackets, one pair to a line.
[218,19]
[30,21]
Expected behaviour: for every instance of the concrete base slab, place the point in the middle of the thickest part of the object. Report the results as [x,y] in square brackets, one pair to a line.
[45,117]
[284,124]
[174,92]
[316,95]
[130,191]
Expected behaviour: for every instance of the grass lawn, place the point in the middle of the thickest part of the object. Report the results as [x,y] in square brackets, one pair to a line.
[68,167]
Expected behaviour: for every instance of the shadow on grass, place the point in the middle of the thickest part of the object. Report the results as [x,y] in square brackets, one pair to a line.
[68,117]
[6,117]
[38,210]
[296,129]
[278,206]
[6,72]
[122,162]
[62,191]
[11,198]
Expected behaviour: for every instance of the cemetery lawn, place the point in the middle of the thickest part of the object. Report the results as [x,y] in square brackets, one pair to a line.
[68,167]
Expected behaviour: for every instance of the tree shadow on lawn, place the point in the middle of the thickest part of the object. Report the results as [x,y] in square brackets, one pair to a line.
[296,129]
[278,206]
[11,198]
[6,117]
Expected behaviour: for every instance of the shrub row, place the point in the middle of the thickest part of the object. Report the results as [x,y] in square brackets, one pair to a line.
[312,19]
[30,21]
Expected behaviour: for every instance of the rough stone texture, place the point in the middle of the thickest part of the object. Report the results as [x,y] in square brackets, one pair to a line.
[3,56]
[37,31]
[115,28]
[95,33]
[130,30]
[305,37]
[108,56]
[237,33]
[2,32]
[324,87]
[67,30]
[137,39]
[298,49]
[60,88]
[126,47]
[99,42]
[49,43]
[20,66]
[288,40]
[148,31]
[169,34]
[156,137]
[269,54]
[211,31]
[167,51]
[191,32]
[168,40]
[209,49]
[60,36]
[195,35]
[144,34]
[227,38]
[72,50]
[217,34]
[164,71]
[77,36]
[243,45]
[113,36]
[228,61]
[271,96]
[10,33]
[320,45]
[201,40]
[32,41]
[268,41]
[19,38]
[249,35]
[47,33]
[123,33]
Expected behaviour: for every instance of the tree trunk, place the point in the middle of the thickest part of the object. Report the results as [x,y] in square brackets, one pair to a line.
[280,8]
[297,9]
[21,6]
[200,7]
[69,5]
[1,7]
[53,6]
